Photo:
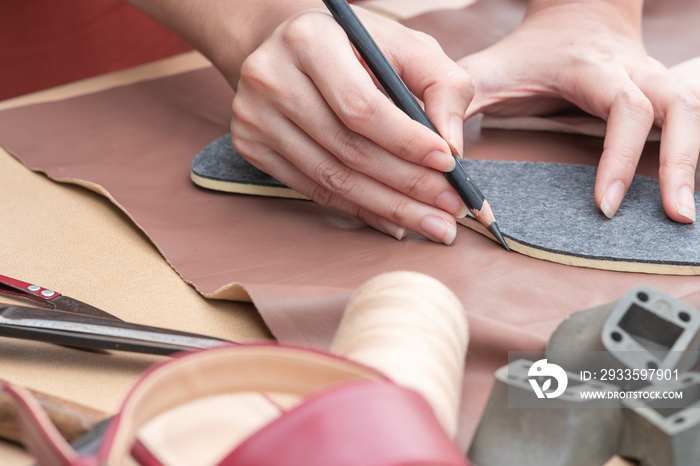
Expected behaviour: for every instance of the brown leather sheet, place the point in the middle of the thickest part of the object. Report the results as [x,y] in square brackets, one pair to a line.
[300,262]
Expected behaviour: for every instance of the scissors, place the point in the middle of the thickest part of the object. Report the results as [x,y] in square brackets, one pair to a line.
[70,322]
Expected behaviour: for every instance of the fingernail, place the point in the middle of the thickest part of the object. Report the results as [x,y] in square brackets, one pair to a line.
[450,202]
[438,229]
[613,198]
[685,202]
[391,229]
[455,136]
[440,161]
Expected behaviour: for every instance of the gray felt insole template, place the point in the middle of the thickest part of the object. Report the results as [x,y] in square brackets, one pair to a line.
[547,206]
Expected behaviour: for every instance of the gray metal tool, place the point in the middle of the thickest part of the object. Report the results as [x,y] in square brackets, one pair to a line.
[645,329]
[520,428]
[664,432]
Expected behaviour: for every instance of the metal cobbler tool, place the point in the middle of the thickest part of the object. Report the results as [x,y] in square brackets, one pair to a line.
[567,430]
[664,432]
[646,329]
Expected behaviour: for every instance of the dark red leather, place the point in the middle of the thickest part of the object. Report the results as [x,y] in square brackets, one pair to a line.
[362,423]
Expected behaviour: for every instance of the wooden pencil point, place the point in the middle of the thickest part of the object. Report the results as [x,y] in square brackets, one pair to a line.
[495,231]
[486,218]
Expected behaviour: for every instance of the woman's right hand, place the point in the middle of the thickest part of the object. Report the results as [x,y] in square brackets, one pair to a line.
[307,112]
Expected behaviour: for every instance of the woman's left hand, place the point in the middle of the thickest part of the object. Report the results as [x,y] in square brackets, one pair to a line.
[590,53]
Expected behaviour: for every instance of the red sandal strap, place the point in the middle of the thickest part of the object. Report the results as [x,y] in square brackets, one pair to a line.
[38,432]
[357,423]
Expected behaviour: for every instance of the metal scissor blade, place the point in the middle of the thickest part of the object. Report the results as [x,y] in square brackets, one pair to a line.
[66,302]
[66,328]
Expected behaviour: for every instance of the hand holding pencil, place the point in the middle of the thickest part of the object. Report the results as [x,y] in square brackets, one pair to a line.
[402,97]
[309,113]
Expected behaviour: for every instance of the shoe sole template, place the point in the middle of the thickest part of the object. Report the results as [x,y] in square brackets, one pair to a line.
[545,210]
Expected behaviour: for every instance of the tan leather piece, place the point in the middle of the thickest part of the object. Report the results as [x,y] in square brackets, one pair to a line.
[78,243]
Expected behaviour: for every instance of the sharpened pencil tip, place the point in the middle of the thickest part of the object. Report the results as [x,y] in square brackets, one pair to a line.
[495,231]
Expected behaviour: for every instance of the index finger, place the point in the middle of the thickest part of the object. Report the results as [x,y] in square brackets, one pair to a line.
[364,109]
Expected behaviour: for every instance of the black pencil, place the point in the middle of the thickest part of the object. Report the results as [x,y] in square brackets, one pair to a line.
[402,97]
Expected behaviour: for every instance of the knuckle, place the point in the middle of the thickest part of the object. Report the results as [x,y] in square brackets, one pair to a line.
[638,104]
[239,140]
[417,183]
[682,161]
[426,40]
[358,107]
[236,135]
[455,79]
[354,149]
[625,158]
[255,70]
[398,209]
[237,107]
[321,195]
[462,81]
[454,83]
[253,154]
[301,31]
[405,144]
[237,131]
[243,114]
[335,177]
[248,148]
[651,63]
[687,103]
